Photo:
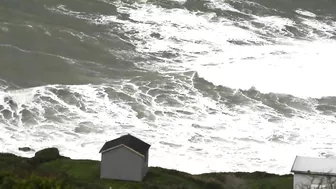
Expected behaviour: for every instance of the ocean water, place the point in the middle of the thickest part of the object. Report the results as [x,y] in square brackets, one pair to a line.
[212,85]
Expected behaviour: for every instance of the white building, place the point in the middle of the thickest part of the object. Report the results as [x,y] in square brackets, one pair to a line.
[124,158]
[311,173]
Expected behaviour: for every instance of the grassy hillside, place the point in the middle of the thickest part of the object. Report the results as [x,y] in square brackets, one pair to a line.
[49,170]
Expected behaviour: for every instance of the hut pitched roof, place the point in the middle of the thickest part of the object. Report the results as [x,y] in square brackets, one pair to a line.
[129,141]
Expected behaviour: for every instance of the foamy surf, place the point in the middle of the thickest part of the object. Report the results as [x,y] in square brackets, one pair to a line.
[200,82]
[199,137]
[306,71]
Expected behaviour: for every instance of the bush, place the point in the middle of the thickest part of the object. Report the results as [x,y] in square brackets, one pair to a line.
[9,181]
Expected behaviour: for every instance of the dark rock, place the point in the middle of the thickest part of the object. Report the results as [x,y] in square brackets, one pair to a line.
[46,155]
[26,149]
[155,35]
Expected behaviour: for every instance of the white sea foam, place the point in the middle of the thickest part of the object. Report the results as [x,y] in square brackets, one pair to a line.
[305,13]
[300,68]
[212,136]
[221,141]
[307,71]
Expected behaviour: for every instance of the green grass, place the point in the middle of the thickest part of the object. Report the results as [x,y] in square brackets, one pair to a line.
[49,170]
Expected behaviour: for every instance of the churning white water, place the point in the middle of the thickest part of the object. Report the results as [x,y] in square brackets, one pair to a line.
[199,133]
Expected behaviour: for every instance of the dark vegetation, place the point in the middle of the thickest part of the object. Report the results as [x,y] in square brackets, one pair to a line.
[49,170]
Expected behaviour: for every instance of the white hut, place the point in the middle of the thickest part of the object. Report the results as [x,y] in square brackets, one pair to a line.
[124,158]
[311,172]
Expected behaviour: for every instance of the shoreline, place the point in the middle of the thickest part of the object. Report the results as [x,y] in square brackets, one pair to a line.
[30,154]
[53,170]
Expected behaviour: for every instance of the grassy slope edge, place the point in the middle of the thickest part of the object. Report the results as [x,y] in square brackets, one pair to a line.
[49,170]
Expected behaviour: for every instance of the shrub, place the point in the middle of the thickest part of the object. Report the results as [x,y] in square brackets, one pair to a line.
[10,181]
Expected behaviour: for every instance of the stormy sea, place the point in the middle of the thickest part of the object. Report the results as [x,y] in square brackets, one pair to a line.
[212,85]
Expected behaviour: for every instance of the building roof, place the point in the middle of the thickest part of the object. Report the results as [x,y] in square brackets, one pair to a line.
[313,165]
[129,141]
